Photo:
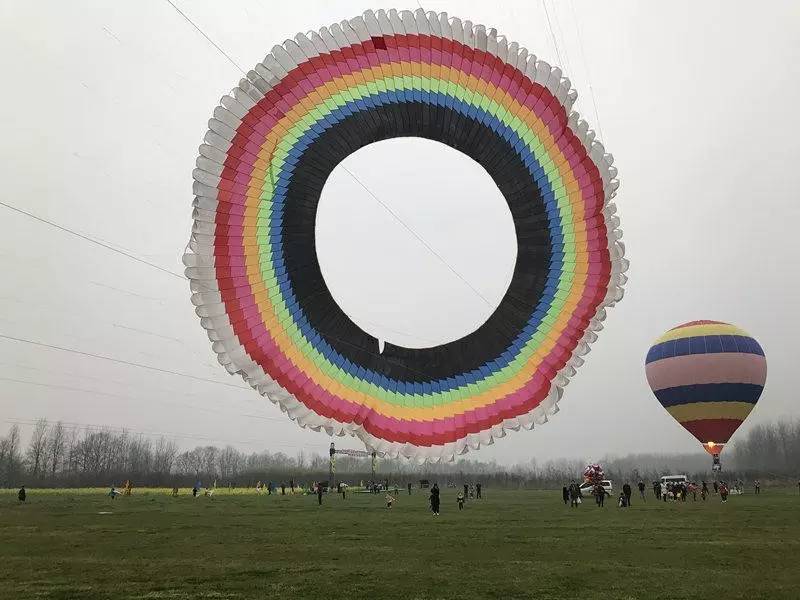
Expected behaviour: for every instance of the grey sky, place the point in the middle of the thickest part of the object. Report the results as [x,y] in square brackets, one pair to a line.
[104,107]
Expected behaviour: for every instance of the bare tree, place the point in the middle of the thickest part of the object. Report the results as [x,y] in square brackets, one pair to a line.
[10,455]
[37,447]
[164,455]
[55,447]
[3,461]
[189,462]
[230,462]
[72,450]
[209,454]
[140,455]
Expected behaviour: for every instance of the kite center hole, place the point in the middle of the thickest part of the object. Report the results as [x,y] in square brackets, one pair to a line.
[418,245]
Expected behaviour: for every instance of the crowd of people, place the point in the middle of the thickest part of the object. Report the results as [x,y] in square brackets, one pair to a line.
[469,491]
[573,494]
[676,491]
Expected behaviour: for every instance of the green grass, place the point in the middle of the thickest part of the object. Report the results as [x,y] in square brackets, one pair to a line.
[509,545]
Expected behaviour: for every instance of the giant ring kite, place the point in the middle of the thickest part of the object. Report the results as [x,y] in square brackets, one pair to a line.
[256,281]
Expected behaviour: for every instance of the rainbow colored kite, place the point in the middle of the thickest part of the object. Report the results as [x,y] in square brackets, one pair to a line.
[256,281]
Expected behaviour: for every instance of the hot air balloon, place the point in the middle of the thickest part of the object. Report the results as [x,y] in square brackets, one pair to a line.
[256,281]
[709,376]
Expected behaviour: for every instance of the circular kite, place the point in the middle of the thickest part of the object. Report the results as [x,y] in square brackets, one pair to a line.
[709,376]
[256,281]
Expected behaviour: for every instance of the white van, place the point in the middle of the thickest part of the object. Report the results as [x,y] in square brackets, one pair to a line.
[674,479]
[587,487]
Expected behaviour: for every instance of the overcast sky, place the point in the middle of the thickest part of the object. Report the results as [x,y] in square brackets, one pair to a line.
[104,106]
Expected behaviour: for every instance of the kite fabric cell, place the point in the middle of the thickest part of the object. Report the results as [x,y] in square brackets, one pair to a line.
[708,375]
[256,281]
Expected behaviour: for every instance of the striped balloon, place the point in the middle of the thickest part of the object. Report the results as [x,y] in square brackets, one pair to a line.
[709,376]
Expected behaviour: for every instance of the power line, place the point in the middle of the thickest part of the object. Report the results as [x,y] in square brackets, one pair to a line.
[203,33]
[552,33]
[102,393]
[63,387]
[417,236]
[120,361]
[349,172]
[563,38]
[91,240]
[586,67]
[166,434]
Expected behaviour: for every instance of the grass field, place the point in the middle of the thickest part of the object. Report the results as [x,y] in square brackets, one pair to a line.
[510,545]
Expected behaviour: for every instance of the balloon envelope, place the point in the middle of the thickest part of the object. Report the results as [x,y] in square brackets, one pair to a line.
[709,376]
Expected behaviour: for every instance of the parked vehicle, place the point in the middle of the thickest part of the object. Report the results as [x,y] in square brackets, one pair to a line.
[675,479]
[587,487]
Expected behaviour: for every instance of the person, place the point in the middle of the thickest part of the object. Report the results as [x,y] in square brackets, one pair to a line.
[283,489]
[396,490]
[319,493]
[693,490]
[626,489]
[757,485]
[723,491]
[194,492]
[657,490]
[683,492]
[291,485]
[434,498]
[600,495]
[565,494]
[704,490]
[664,491]
[113,492]
[22,494]
[716,486]
[641,491]
[175,492]
[466,490]
[460,500]
[344,491]
[478,491]
[471,490]
[389,500]
[409,488]
[623,500]
[574,494]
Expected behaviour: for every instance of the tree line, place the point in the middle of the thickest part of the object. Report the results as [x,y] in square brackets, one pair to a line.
[57,455]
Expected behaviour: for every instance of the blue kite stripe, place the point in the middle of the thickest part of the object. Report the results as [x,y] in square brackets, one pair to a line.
[704,344]
[709,392]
